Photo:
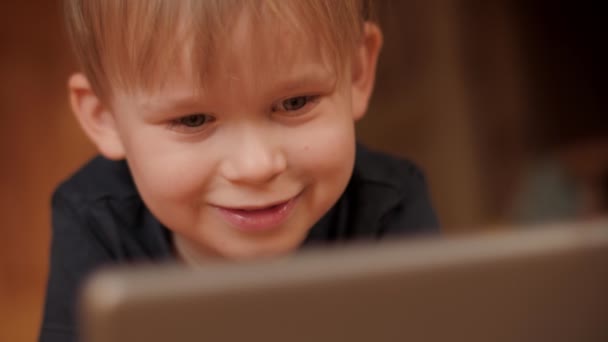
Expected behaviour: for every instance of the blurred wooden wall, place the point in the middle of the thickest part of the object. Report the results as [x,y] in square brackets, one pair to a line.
[451,95]
[424,108]
[39,145]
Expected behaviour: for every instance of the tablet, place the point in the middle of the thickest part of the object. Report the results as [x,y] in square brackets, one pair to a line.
[539,284]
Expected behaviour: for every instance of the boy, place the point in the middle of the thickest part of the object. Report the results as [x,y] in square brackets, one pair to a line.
[227,131]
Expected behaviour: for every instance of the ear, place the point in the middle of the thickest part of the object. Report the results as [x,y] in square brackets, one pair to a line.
[94,118]
[364,68]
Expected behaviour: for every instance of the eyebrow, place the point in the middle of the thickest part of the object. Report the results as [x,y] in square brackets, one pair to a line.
[180,103]
[304,79]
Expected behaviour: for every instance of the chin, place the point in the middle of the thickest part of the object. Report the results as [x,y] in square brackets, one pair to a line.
[253,250]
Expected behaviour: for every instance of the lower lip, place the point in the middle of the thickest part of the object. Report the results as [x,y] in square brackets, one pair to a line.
[262,220]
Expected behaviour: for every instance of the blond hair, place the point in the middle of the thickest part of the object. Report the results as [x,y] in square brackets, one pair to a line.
[130,44]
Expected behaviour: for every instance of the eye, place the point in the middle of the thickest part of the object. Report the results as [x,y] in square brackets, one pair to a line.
[194,120]
[191,123]
[293,104]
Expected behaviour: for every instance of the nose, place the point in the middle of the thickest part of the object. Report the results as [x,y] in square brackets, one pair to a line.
[254,160]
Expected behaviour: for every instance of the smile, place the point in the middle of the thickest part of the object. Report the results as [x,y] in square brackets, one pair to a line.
[257,218]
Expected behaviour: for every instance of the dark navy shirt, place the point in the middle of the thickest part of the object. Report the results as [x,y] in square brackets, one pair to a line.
[99,219]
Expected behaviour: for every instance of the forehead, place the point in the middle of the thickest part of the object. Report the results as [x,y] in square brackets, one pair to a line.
[249,51]
[243,44]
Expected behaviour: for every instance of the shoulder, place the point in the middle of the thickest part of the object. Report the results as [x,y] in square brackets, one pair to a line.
[98,218]
[97,199]
[385,171]
[396,190]
[99,178]
[99,204]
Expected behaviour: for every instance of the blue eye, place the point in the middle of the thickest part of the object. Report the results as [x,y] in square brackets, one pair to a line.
[294,103]
[194,120]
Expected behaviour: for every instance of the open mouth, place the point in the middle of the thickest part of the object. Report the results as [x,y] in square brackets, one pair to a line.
[259,219]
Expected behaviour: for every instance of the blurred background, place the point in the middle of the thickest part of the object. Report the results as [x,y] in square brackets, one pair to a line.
[502,103]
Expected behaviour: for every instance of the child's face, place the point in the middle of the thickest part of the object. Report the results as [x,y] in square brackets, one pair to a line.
[246,166]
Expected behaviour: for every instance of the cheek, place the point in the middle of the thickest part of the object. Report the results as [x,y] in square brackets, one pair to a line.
[168,173]
[326,151]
